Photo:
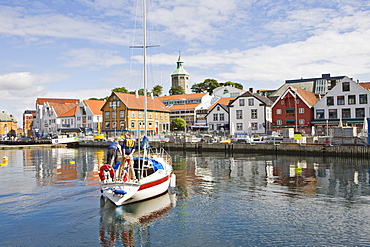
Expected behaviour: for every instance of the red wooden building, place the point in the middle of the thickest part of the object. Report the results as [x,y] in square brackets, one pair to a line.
[294,109]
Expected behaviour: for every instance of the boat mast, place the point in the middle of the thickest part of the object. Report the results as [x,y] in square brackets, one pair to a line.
[144,64]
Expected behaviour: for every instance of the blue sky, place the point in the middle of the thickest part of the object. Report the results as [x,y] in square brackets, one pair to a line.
[81,48]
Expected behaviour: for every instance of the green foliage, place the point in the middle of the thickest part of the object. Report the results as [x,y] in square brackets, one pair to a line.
[176,90]
[207,86]
[157,90]
[120,90]
[101,99]
[234,84]
[178,123]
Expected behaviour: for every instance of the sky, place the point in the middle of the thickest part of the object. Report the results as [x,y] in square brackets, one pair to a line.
[83,48]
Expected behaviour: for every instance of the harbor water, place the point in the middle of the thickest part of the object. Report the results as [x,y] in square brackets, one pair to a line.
[51,197]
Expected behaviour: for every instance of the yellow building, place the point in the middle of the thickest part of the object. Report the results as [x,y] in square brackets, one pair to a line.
[125,112]
[8,124]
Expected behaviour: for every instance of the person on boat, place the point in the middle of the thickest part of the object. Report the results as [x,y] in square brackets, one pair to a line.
[113,150]
[128,149]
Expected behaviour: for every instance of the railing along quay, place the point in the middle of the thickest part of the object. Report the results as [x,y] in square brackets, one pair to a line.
[284,148]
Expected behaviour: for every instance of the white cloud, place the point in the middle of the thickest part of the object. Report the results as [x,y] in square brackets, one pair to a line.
[92,58]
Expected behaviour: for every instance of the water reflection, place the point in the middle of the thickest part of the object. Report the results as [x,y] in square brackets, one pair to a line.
[131,223]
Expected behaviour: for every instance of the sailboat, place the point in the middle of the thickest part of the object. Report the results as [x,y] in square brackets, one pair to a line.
[151,174]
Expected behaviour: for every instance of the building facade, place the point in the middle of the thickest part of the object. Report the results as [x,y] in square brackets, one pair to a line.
[293,109]
[180,77]
[125,112]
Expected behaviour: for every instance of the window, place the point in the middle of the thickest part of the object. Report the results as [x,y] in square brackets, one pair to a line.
[251,102]
[278,111]
[363,98]
[290,121]
[254,126]
[107,124]
[222,117]
[78,118]
[320,86]
[346,113]
[282,102]
[301,110]
[279,122]
[340,100]
[330,100]
[121,124]
[218,108]
[320,114]
[133,114]
[360,112]
[132,124]
[114,124]
[289,112]
[241,102]
[301,121]
[121,113]
[333,113]
[254,114]
[351,99]
[107,115]
[114,114]
[239,114]
[239,126]
[345,87]
[215,117]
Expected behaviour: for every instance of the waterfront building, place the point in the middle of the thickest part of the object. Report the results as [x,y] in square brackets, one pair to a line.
[46,119]
[28,119]
[89,115]
[319,86]
[293,109]
[218,115]
[8,125]
[250,114]
[193,108]
[125,112]
[180,77]
[346,105]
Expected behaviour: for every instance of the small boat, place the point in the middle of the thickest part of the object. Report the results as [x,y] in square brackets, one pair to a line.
[149,176]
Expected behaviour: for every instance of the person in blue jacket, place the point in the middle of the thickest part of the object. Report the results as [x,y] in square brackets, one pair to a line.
[113,150]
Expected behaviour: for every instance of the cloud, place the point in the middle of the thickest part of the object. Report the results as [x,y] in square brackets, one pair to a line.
[92,58]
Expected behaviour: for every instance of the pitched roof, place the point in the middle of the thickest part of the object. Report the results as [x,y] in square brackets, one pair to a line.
[222,102]
[62,109]
[132,102]
[307,96]
[41,101]
[182,96]
[95,106]
[365,85]
[261,98]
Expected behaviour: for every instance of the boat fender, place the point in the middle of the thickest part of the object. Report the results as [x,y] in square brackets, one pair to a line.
[106,168]
[121,192]
[173,180]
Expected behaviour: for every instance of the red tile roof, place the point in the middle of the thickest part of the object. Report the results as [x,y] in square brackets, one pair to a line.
[309,97]
[41,101]
[132,102]
[95,106]
[63,110]
[222,101]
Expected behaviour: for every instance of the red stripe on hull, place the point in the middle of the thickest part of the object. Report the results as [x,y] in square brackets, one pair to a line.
[154,183]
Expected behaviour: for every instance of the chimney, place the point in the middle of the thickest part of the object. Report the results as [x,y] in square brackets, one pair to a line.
[251,89]
[136,93]
[325,76]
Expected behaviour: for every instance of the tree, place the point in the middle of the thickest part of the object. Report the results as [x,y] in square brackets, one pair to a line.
[234,84]
[97,99]
[207,86]
[176,90]
[120,90]
[157,90]
[178,123]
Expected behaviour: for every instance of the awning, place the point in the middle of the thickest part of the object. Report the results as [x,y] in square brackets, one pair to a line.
[199,127]
[336,122]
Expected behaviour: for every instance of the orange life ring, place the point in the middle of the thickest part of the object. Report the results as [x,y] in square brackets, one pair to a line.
[106,168]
